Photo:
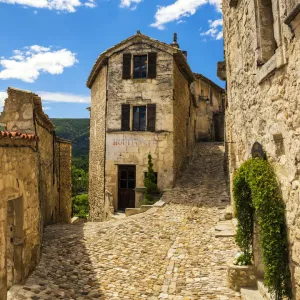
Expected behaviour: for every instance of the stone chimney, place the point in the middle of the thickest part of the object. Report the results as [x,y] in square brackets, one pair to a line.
[175,43]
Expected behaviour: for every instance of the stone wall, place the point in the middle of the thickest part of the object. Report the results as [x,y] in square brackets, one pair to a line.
[35,184]
[263,102]
[182,121]
[64,170]
[125,148]
[97,148]
[19,180]
[210,109]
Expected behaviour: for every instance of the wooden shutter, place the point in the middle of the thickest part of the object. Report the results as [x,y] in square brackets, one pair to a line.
[126,66]
[125,117]
[151,117]
[152,65]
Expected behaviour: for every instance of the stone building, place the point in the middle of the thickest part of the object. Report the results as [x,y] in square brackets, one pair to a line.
[210,111]
[35,184]
[262,51]
[141,104]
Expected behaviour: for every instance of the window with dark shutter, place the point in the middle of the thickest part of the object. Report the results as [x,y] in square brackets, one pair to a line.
[125,117]
[151,117]
[152,65]
[126,66]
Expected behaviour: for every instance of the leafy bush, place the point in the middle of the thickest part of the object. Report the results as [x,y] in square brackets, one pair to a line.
[243,259]
[256,190]
[81,206]
[150,184]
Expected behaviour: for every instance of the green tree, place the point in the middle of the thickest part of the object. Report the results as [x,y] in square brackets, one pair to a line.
[150,183]
[80,181]
[81,206]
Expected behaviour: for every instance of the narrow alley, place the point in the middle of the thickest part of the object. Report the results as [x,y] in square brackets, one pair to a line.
[167,253]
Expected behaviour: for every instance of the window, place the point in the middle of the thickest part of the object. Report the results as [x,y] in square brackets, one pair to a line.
[143,117]
[265,31]
[144,66]
[139,118]
[140,66]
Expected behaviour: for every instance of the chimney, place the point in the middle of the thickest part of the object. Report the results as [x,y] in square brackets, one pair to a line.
[175,43]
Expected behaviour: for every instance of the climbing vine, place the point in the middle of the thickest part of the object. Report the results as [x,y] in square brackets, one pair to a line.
[256,191]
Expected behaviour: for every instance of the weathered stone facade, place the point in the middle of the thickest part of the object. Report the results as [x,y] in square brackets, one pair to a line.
[262,50]
[171,141]
[210,112]
[35,184]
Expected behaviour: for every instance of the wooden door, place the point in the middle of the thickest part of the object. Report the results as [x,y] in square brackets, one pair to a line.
[10,230]
[126,187]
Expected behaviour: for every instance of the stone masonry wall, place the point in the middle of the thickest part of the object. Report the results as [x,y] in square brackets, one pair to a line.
[19,180]
[182,120]
[97,148]
[263,105]
[33,184]
[65,181]
[133,147]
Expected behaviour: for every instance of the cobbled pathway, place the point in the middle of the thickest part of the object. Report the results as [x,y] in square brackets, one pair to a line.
[168,253]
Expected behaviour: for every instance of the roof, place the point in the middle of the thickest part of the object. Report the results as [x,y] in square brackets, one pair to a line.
[103,57]
[16,135]
[202,77]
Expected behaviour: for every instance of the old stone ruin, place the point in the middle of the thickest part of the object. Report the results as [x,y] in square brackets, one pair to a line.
[35,184]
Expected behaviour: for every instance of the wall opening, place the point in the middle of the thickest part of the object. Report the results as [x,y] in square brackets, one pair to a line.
[14,242]
[265,31]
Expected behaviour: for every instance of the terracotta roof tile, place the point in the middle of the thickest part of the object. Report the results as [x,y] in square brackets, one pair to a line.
[18,135]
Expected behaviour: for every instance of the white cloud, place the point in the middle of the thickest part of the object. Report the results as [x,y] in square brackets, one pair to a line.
[180,9]
[28,64]
[49,97]
[215,29]
[128,3]
[63,97]
[3,96]
[59,5]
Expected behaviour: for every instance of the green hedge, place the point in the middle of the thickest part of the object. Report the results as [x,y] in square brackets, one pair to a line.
[256,190]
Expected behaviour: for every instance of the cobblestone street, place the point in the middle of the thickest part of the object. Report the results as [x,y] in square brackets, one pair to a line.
[167,253]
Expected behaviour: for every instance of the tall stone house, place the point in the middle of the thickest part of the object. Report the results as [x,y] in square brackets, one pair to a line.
[141,104]
[262,70]
[35,184]
[210,109]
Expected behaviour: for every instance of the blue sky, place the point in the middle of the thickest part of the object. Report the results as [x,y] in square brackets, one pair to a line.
[50,46]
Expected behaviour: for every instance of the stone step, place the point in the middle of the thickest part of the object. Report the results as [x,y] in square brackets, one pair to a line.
[263,290]
[250,294]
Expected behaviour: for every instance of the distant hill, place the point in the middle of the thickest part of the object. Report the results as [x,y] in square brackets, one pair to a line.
[78,131]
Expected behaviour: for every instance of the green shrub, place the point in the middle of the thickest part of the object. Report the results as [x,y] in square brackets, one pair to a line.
[150,184]
[81,206]
[256,190]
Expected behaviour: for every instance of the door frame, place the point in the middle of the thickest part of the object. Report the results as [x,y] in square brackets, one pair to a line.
[118,182]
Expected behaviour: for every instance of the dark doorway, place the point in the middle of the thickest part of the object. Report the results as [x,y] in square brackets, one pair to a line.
[14,242]
[126,187]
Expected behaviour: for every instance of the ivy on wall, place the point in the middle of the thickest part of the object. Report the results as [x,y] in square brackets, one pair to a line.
[256,191]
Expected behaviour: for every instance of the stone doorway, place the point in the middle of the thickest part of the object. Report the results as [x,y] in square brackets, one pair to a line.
[127,176]
[14,242]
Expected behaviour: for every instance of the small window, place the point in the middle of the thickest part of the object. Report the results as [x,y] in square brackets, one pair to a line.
[139,118]
[140,66]
[155,174]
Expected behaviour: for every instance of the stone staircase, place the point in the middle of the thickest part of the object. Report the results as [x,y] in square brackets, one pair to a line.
[260,293]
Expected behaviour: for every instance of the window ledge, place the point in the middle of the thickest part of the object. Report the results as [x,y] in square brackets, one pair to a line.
[137,132]
[274,63]
[292,15]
